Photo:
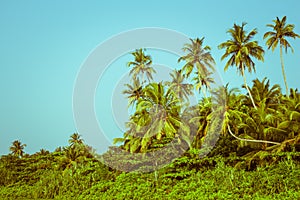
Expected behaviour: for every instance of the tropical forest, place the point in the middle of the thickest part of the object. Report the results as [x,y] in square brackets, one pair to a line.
[233,143]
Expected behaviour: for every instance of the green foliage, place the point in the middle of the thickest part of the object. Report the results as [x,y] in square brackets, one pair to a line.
[185,178]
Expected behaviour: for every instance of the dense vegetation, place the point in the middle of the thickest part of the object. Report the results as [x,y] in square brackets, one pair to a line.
[231,145]
[45,176]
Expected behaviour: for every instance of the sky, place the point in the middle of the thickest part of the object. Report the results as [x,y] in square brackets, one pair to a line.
[43,45]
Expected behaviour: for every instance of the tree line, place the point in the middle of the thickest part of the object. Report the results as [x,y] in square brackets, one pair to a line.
[263,120]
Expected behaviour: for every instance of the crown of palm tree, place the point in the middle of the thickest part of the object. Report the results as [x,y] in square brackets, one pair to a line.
[75,138]
[197,56]
[156,117]
[141,65]
[182,90]
[134,92]
[43,152]
[280,32]
[202,80]
[262,93]
[240,48]
[17,148]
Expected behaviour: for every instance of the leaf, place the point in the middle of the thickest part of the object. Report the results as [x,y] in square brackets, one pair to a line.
[135,145]
[169,129]
[118,140]
[295,115]
[145,143]
[284,125]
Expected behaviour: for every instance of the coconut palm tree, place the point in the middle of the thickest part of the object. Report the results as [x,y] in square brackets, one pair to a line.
[182,90]
[241,49]
[263,93]
[231,106]
[141,65]
[17,148]
[198,57]
[261,124]
[75,139]
[73,155]
[203,80]
[201,120]
[280,32]
[157,117]
[290,107]
[134,92]
[42,152]
[236,113]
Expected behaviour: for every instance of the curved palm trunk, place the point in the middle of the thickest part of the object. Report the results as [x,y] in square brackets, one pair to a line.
[248,140]
[283,72]
[245,82]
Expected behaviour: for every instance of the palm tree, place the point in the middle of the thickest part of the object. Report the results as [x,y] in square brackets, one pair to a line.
[202,80]
[42,152]
[290,107]
[17,148]
[240,48]
[235,114]
[156,117]
[163,106]
[262,125]
[75,139]
[134,92]
[141,65]
[231,106]
[263,93]
[201,120]
[181,89]
[280,32]
[200,58]
[197,57]
[73,155]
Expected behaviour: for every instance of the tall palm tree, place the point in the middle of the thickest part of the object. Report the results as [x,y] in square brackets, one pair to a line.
[141,65]
[17,148]
[280,32]
[198,57]
[240,48]
[182,90]
[75,139]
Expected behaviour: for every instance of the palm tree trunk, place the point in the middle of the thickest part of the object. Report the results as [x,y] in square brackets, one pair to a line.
[204,93]
[248,140]
[283,72]
[245,82]
[143,79]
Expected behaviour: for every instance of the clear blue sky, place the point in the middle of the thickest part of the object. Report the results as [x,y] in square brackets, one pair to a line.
[44,43]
